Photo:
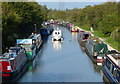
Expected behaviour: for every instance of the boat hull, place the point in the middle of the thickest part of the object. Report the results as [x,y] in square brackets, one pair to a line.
[74,31]
[82,43]
[31,54]
[95,59]
[108,76]
[15,74]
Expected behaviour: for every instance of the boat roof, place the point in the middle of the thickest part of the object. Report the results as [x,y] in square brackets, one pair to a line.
[15,48]
[115,58]
[58,30]
[34,36]
[7,56]
[95,39]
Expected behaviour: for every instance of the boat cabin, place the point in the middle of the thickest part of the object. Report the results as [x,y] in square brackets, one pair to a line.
[84,35]
[57,33]
[112,67]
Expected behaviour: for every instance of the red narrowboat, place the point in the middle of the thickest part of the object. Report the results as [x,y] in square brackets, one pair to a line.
[13,62]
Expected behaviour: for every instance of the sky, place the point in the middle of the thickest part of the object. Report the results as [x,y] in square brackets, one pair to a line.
[75,0]
[70,4]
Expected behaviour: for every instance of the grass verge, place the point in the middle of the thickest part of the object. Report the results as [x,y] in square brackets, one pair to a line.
[110,41]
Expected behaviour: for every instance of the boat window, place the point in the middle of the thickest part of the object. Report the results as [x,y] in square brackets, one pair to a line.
[112,69]
[118,75]
[108,64]
[34,42]
[55,32]
[115,72]
[86,36]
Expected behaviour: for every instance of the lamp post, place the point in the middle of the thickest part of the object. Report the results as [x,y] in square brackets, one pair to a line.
[35,28]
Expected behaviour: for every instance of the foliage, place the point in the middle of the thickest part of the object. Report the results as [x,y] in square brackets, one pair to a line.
[18,19]
[104,18]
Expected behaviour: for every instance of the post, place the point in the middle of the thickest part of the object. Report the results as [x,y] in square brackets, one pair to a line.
[35,28]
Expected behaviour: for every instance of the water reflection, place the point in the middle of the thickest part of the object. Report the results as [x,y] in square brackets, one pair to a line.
[97,68]
[32,64]
[74,35]
[45,38]
[62,62]
[57,45]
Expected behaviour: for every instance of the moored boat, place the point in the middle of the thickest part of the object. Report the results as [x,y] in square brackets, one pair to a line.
[83,37]
[111,68]
[13,62]
[36,40]
[74,29]
[57,35]
[44,31]
[69,25]
[31,45]
[96,49]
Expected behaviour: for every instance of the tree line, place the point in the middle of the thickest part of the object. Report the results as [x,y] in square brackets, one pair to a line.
[104,18]
[19,19]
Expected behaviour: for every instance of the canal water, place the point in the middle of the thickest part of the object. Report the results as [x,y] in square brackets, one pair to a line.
[62,62]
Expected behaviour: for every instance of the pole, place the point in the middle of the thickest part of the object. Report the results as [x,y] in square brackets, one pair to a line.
[35,28]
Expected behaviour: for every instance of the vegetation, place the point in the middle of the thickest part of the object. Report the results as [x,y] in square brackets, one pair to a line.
[18,19]
[103,18]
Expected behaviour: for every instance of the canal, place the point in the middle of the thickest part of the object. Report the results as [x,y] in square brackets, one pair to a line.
[62,62]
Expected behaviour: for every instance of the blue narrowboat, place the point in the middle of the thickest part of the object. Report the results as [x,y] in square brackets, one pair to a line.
[44,31]
[111,68]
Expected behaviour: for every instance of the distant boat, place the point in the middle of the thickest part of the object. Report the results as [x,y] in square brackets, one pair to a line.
[111,68]
[44,31]
[69,25]
[74,29]
[96,50]
[57,35]
[12,63]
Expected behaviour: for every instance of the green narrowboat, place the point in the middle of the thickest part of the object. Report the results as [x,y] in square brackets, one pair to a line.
[31,45]
[96,49]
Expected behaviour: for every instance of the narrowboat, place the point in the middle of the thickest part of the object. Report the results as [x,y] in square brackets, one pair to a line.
[31,45]
[13,62]
[32,64]
[83,37]
[69,25]
[96,49]
[74,29]
[111,68]
[57,35]
[36,40]
[44,31]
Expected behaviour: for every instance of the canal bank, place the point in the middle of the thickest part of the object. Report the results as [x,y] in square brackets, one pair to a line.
[105,40]
[63,62]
